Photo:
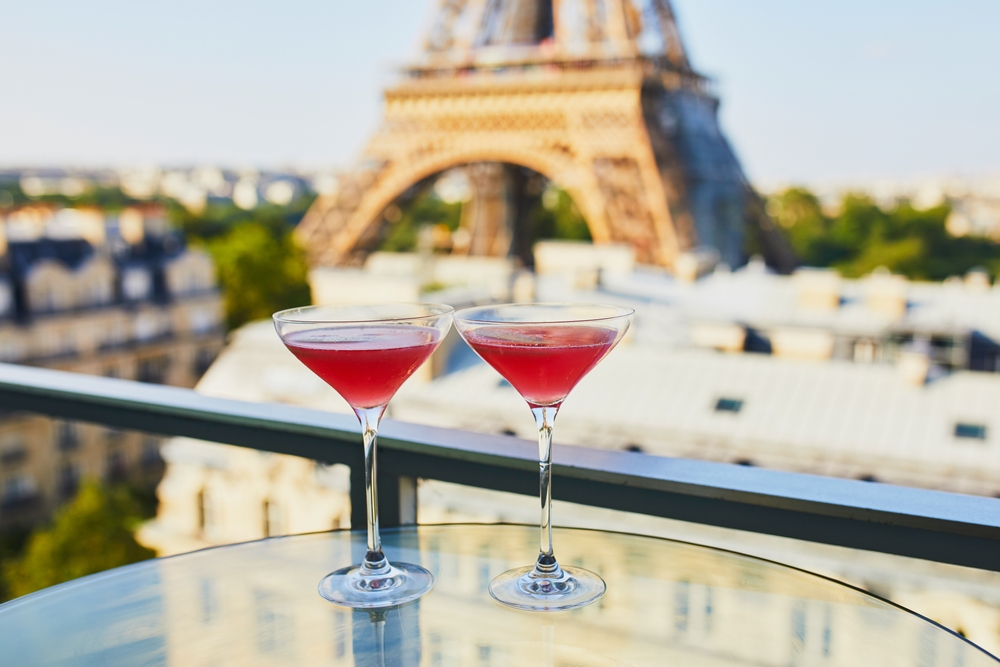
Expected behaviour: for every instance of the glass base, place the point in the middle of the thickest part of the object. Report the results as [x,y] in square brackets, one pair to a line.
[399,584]
[567,588]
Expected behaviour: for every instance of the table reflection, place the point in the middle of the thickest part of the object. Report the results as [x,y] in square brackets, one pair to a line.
[667,603]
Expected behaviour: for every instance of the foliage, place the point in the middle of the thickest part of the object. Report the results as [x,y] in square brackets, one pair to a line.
[110,198]
[557,217]
[425,209]
[552,216]
[862,236]
[218,218]
[12,543]
[11,194]
[93,533]
[261,270]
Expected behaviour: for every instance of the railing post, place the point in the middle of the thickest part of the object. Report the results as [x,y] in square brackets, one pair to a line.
[407,501]
[397,498]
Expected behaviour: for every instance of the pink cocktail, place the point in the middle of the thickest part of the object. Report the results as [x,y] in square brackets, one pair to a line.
[543,363]
[366,365]
[366,353]
[544,350]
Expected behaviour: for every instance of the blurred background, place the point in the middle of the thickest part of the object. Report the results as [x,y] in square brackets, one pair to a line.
[802,203]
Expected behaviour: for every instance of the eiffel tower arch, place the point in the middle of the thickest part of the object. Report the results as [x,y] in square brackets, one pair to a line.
[596,95]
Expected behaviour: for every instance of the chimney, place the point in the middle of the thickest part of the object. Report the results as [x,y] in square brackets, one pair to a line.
[130,225]
[886,293]
[818,289]
[914,362]
[691,265]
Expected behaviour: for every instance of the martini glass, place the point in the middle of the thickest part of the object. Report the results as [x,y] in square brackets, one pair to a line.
[544,350]
[365,353]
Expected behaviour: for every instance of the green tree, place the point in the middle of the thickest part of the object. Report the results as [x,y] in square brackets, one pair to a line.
[557,217]
[93,533]
[799,214]
[425,209]
[863,236]
[218,218]
[261,270]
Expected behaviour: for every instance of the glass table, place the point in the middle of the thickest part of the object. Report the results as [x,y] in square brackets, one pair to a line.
[256,604]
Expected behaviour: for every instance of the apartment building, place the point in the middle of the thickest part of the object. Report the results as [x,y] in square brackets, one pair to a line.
[116,295]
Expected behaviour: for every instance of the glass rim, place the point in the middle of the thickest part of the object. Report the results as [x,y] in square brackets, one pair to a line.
[623,311]
[283,315]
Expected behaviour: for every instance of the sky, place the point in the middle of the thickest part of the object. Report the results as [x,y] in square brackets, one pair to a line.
[810,91]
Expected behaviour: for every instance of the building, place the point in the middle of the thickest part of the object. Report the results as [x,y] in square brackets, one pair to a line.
[668,390]
[112,295]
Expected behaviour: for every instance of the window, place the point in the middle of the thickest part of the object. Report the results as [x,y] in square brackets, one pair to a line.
[69,481]
[11,350]
[150,326]
[970,431]
[733,405]
[137,284]
[151,453]
[13,451]
[154,369]
[67,436]
[18,490]
[114,335]
[116,466]
[6,299]
[203,360]
[274,519]
[203,320]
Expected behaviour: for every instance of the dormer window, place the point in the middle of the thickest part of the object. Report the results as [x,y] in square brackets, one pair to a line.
[6,300]
[136,284]
[970,431]
[731,405]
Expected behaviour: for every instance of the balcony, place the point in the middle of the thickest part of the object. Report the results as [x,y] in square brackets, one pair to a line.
[934,526]
[931,525]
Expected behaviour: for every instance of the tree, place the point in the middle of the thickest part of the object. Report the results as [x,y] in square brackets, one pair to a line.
[261,270]
[863,236]
[93,533]
[427,208]
[557,217]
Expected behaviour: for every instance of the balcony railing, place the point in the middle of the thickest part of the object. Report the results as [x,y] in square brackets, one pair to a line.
[932,525]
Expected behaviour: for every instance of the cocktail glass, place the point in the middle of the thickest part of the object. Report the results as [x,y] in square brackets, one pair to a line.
[543,351]
[365,353]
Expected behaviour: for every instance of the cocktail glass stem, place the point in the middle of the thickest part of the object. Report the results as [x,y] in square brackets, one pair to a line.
[375,561]
[546,565]
[378,620]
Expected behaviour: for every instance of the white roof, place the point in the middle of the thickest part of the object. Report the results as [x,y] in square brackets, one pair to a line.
[828,417]
[755,297]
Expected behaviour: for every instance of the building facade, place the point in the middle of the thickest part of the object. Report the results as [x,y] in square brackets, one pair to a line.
[117,296]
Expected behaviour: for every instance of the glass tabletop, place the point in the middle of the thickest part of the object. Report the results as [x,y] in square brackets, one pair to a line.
[256,604]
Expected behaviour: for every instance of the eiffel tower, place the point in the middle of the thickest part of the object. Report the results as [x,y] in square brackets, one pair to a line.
[598,96]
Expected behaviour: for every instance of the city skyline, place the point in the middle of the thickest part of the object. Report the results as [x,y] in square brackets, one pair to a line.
[808,94]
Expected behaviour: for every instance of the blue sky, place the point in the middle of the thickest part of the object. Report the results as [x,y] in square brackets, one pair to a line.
[810,91]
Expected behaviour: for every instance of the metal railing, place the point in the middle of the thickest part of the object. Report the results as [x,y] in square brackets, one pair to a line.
[933,525]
